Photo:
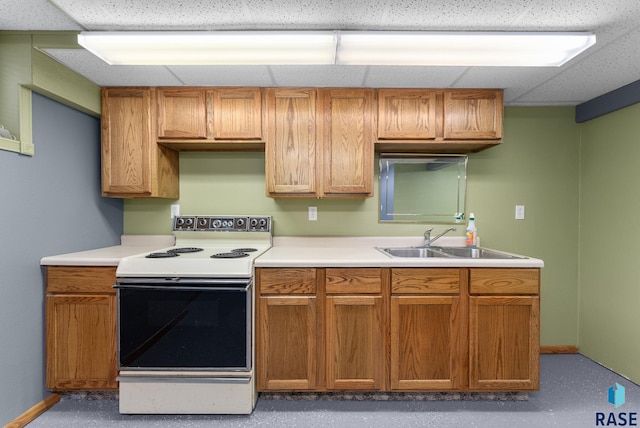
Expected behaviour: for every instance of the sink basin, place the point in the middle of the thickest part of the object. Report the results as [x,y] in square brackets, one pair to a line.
[412,252]
[474,253]
[447,252]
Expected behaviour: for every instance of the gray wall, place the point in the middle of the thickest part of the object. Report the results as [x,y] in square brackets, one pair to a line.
[49,204]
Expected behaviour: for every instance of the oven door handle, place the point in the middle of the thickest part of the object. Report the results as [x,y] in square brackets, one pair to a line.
[183,379]
[180,287]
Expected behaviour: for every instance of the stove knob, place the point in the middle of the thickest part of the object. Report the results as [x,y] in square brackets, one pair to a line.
[216,223]
[189,222]
[202,222]
[254,222]
[263,222]
[179,221]
[240,222]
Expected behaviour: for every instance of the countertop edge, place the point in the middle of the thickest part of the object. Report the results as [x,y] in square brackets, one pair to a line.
[111,256]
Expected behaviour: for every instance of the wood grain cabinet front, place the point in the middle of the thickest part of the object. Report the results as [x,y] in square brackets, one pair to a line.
[205,117]
[398,329]
[80,328]
[355,329]
[439,120]
[133,164]
[473,114]
[428,335]
[319,143]
[286,329]
[504,329]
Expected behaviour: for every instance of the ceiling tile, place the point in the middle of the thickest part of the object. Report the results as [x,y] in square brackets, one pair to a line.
[39,14]
[321,75]
[603,71]
[223,75]
[102,74]
[412,77]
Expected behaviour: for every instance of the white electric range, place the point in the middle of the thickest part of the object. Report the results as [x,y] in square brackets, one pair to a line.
[186,319]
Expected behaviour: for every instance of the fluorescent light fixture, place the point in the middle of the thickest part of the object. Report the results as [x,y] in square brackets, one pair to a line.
[461,48]
[520,49]
[211,48]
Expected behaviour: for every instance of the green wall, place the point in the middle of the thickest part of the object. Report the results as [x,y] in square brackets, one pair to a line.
[609,268]
[536,166]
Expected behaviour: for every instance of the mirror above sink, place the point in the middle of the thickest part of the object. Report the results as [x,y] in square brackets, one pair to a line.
[422,188]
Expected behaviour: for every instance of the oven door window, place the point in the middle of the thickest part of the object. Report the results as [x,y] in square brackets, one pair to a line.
[184,329]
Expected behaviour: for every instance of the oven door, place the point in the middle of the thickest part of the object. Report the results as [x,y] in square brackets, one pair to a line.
[184,324]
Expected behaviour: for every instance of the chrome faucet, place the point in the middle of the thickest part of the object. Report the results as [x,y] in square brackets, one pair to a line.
[427,236]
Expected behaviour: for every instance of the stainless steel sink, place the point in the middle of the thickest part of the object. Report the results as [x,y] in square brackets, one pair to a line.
[474,253]
[421,252]
[447,252]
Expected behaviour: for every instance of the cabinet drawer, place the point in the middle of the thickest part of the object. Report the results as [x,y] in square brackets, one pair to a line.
[504,281]
[287,281]
[353,280]
[425,281]
[81,279]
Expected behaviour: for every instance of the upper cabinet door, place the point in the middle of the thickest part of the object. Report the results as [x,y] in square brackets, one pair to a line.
[408,114]
[181,113]
[348,144]
[127,136]
[234,113]
[473,114]
[290,149]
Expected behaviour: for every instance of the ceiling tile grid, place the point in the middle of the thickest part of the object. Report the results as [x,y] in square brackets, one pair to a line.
[608,65]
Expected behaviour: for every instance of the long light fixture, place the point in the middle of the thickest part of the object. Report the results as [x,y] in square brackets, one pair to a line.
[520,49]
[211,48]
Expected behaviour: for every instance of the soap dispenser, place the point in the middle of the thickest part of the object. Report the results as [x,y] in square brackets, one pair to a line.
[472,232]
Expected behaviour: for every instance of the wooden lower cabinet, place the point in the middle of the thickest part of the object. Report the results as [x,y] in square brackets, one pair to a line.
[424,343]
[398,329]
[428,335]
[287,343]
[504,329]
[355,352]
[80,328]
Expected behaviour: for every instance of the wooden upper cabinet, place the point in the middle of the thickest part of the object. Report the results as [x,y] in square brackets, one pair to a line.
[234,113]
[292,137]
[473,114]
[210,114]
[133,165]
[181,113]
[347,146]
[409,114]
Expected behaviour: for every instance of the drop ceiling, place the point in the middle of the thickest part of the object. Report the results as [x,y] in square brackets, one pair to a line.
[612,63]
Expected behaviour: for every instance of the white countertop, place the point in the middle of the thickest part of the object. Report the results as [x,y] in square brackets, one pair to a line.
[362,252]
[110,256]
[299,252]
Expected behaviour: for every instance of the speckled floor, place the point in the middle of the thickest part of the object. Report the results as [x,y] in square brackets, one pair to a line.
[573,389]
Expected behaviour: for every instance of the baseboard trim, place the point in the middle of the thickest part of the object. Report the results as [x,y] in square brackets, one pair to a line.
[34,412]
[559,349]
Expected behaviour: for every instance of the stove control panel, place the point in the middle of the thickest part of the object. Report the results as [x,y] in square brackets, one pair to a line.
[222,223]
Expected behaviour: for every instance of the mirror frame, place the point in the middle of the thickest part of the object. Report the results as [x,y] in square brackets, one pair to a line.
[387,180]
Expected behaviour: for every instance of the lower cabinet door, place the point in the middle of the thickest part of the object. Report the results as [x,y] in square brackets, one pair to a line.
[504,346]
[424,340]
[81,342]
[287,343]
[354,343]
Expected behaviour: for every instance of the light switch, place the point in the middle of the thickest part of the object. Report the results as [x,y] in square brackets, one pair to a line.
[313,213]
[519,212]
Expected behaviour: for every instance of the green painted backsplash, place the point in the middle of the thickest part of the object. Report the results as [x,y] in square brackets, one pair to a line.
[536,166]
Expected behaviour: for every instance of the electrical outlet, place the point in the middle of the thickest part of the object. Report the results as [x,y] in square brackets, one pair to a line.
[175,210]
[313,213]
[519,212]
